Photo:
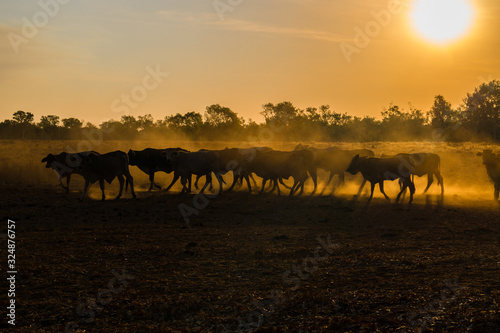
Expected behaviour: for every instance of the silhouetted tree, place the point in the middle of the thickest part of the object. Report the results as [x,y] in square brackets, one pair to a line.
[49,126]
[72,124]
[219,116]
[482,110]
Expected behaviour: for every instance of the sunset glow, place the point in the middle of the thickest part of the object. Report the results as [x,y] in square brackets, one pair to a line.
[442,21]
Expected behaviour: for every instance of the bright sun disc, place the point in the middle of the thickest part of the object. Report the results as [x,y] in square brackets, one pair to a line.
[442,21]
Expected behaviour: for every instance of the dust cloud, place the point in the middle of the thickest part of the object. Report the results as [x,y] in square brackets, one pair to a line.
[465,179]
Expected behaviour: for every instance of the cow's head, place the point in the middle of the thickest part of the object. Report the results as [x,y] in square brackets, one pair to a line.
[353,167]
[49,160]
[132,154]
[487,155]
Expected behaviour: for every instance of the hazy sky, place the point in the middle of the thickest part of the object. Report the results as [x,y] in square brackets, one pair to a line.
[86,57]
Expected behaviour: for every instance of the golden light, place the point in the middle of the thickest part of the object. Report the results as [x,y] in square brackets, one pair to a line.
[442,21]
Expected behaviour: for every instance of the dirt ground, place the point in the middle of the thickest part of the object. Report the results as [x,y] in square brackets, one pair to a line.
[244,262]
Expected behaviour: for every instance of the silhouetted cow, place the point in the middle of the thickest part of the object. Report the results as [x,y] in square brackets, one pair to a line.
[424,164]
[150,161]
[334,160]
[492,163]
[230,159]
[65,164]
[273,165]
[106,167]
[377,170]
[200,163]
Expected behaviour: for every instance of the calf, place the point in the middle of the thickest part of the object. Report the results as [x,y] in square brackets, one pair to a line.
[65,164]
[376,170]
[106,167]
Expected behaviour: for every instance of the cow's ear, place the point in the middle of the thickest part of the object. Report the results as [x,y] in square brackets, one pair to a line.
[44,159]
[131,152]
[355,158]
[479,154]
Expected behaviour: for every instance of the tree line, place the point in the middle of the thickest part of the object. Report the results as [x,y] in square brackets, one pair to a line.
[476,119]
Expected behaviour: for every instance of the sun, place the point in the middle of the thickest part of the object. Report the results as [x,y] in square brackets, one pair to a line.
[442,21]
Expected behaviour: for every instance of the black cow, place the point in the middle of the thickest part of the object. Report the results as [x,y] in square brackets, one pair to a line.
[106,167]
[376,170]
[150,161]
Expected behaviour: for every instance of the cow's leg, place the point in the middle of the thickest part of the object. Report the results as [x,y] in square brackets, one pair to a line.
[329,180]
[101,185]
[176,177]
[183,183]
[296,184]
[381,186]
[209,181]
[196,181]
[430,179]
[411,185]
[277,185]
[264,180]
[403,189]
[273,181]
[219,178]
[253,179]
[61,183]
[373,189]
[497,190]
[130,180]
[152,180]
[236,176]
[190,180]
[85,188]
[440,181]
[285,185]
[341,178]
[122,181]
[247,178]
[361,187]
[314,176]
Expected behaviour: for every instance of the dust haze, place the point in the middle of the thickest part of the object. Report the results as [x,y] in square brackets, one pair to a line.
[465,179]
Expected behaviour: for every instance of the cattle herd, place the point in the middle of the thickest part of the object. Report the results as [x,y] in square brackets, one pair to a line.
[269,164]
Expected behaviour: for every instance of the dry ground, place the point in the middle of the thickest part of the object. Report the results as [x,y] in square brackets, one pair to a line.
[248,261]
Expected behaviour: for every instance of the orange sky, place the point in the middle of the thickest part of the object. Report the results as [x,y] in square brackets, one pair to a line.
[86,57]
